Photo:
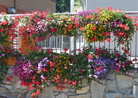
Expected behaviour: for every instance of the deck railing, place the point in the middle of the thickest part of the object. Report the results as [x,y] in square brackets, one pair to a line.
[72,43]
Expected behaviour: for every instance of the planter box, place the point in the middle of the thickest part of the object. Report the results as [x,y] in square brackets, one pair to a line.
[10,61]
[25,46]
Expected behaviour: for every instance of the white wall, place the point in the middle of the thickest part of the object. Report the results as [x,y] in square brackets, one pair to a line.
[127,5]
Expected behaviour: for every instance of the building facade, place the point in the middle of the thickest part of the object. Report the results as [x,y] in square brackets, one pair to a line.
[28,5]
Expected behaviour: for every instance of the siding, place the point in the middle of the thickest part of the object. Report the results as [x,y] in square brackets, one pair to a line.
[31,5]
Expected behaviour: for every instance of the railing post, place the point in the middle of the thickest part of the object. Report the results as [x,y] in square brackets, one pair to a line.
[74,45]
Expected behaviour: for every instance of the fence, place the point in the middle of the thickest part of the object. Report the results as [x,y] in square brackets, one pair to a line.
[72,43]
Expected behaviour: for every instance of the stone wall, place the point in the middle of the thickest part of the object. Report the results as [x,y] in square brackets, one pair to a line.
[116,85]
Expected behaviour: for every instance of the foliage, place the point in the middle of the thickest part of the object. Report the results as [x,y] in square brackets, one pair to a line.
[62,6]
[3,67]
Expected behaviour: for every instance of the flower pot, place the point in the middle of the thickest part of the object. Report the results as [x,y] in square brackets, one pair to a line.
[10,61]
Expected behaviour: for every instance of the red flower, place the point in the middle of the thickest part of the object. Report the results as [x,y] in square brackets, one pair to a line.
[109,8]
[69,27]
[121,25]
[117,55]
[94,28]
[78,50]
[122,48]
[82,28]
[33,94]
[128,16]
[74,83]
[68,82]
[49,51]
[44,78]
[9,78]
[122,42]
[37,92]
[65,49]
[127,51]
[31,86]
[52,29]
[98,69]
[4,22]
[51,64]
[108,39]
[72,18]
[67,74]
[33,78]
[24,83]
[57,87]
[77,25]
[57,81]
[8,51]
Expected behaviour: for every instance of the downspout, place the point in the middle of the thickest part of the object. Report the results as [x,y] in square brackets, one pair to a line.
[15,4]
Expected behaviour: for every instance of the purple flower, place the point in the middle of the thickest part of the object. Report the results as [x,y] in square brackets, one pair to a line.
[92,22]
[89,65]
[95,76]
[90,60]
[44,59]
[40,66]
[42,77]
[90,75]
[96,22]
[3,54]
[102,66]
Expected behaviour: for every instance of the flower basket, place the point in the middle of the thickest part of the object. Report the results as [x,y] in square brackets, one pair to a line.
[10,61]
